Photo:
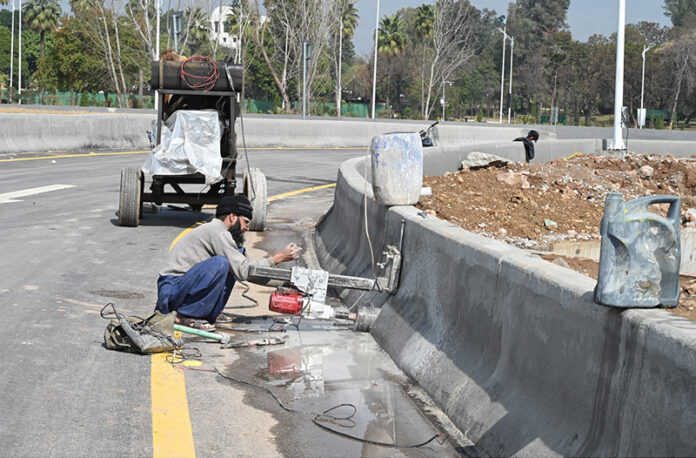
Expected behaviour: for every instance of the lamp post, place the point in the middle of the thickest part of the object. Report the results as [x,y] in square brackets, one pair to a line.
[157,45]
[306,55]
[19,76]
[12,50]
[512,51]
[374,73]
[502,73]
[642,89]
[618,143]
[444,99]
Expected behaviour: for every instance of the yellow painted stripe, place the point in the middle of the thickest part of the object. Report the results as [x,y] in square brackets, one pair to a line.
[171,426]
[64,156]
[300,191]
[185,231]
[119,153]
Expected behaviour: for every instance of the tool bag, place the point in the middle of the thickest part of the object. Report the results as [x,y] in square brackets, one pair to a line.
[154,334]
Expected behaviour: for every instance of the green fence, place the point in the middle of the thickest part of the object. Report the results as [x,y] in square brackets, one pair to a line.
[87,99]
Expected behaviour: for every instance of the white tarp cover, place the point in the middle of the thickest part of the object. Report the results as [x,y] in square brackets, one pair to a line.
[190,143]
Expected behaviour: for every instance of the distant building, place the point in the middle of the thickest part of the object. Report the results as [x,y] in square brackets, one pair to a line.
[217,27]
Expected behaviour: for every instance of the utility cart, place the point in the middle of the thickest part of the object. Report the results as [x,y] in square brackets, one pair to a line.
[177,93]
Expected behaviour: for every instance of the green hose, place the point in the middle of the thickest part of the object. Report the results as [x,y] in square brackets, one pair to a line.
[223,338]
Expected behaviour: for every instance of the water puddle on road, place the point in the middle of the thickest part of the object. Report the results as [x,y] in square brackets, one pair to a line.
[321,367]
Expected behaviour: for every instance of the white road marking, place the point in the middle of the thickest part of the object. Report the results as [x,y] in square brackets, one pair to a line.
[13,196]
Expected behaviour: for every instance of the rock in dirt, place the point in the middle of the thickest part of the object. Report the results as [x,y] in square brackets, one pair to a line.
[514,179]
[550,224]
[646,172]
[477,160]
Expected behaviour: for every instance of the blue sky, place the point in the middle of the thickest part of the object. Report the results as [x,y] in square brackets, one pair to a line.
[585,17]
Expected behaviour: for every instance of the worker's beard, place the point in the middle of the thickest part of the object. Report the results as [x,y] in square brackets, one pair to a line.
[237,234]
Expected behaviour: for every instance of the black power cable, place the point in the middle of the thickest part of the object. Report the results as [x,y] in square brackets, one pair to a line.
[326,417]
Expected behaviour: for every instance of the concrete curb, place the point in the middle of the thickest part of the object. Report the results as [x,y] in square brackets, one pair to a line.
[512,347]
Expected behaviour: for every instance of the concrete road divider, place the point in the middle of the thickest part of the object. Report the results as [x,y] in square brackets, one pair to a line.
[512,347]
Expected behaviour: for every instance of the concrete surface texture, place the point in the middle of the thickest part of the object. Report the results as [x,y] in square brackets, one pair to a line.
[127,129]
[512,347]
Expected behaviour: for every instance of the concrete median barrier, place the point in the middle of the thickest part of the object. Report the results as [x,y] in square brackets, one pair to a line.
[512,347]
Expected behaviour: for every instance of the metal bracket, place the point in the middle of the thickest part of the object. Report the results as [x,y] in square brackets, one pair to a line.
[389,270]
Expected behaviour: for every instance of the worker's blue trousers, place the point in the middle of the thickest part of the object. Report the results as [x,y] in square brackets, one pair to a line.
[202,292]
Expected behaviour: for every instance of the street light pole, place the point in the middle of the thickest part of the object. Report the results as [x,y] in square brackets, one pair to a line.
[502,74]
[157,47]
[512,52]
[444,98]
[19,76]
[374,73]
[618,143]
[12,49]
[642,86]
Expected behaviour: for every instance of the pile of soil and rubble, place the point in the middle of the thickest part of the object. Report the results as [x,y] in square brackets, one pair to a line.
[535,205]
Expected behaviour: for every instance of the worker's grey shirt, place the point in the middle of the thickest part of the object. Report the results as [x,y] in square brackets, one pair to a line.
[205,241]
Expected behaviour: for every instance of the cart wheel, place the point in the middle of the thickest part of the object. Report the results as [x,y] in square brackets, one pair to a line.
[257,195]
[130,202]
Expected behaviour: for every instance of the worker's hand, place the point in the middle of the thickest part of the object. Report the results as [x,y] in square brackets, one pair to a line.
[289,253]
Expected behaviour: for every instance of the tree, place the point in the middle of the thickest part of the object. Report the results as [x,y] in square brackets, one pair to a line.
[681,52]
[451,46]
[391,43]
[681,12]
[346,22]
[41,16]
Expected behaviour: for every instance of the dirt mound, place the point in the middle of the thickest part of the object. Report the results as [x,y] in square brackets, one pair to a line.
[534,205]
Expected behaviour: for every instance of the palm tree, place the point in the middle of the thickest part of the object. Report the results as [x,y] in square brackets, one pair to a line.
[347,21]
[42,16]
[391,42]
[392,39]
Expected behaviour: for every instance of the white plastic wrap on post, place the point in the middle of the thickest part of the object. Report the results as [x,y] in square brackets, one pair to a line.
[190,144]
[397,168]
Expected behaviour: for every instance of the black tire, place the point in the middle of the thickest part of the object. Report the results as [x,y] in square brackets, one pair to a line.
[258,196]
[130,202]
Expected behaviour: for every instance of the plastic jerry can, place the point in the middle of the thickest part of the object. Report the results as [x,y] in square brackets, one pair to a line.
[397,168]
[640,253]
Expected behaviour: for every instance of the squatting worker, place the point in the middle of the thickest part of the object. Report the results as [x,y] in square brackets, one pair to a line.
[203,266]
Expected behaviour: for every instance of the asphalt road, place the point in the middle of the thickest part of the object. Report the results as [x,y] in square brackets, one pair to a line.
[62,257]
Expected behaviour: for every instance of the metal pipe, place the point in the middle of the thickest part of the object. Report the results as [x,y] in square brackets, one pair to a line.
[374,73]
[512,52]
[618,143]
[502,75]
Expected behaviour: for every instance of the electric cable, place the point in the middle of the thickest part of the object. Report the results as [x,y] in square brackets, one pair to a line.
[202,82]
[245,296]
[318,418]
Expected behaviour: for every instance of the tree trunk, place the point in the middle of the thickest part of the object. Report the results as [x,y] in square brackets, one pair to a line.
[676,94]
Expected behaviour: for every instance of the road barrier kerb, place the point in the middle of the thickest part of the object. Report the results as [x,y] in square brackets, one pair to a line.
[513,348]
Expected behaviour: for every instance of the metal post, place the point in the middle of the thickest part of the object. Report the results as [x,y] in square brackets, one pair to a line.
[339,108]
[444,101]
[19,76]
[304,80]
[12,50]
[176,44]
[502,75]
[374,73]
[512,51]
[157,49]
[642,84]
[618,143]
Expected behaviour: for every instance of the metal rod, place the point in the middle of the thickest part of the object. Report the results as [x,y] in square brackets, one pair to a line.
[335,281]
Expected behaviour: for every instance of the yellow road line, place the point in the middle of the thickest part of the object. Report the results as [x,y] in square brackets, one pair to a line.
[64,156]
[172,435]
[118,153]
[300,191]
